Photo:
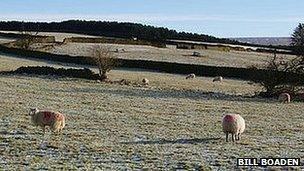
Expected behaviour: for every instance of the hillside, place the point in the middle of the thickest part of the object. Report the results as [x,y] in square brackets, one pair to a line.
[171,53]
[111,29]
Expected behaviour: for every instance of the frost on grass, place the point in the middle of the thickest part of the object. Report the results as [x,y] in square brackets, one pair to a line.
[170,125]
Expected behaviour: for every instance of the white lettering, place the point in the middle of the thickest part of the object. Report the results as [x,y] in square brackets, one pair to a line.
[240,162]
[263,162]
[283,162]
[280,162]
[277,162]
[270,162]
[293,162]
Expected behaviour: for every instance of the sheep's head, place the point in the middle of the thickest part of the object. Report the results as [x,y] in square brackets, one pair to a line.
[33,111]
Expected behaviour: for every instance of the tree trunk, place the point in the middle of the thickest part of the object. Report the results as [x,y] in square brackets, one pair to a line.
[103,76]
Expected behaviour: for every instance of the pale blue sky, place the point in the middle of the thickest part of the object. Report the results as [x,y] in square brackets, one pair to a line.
[221,18]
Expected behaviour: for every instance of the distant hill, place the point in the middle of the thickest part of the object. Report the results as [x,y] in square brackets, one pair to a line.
[111,29]
[275,41]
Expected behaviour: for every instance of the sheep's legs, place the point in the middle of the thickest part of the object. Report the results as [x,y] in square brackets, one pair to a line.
[233,137]
[238,136]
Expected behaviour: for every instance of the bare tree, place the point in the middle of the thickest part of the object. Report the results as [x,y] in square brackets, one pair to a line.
[279,74]
[28,38]
[25,43]
[104,60]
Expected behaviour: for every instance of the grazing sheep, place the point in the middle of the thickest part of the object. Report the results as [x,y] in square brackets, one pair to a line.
[55,120]
[233,124]
[284,97]
[197,54]
[190,76]
[124,82]
[145,81]
[219,78]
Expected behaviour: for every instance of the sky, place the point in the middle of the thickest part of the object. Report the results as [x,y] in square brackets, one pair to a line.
[220,18]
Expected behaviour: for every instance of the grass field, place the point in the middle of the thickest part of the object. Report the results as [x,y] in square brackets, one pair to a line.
[172,124]
[169,54]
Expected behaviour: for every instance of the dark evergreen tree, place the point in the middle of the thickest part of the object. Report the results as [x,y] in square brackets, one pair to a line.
[298,39]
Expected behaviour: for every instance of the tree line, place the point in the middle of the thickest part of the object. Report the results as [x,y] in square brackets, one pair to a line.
[111,29]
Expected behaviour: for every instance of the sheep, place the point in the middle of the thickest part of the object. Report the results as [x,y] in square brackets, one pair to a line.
[145,81]
[55,120]
[124,82]
[284,97]
[233,124]
[190,76]
[197,54]
[219,78]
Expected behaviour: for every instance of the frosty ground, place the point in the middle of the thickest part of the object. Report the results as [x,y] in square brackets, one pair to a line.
[172,124]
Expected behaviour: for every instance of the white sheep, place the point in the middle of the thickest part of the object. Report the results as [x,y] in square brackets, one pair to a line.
[55,120]
[284,97]
[233,124]
[190,76]
[219,78]
[145,81]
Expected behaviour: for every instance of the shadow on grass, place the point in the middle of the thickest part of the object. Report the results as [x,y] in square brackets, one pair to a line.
[177,141]
[188,94]
[12,133]
[159,94]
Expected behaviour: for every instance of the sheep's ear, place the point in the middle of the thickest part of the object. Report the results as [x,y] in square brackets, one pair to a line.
[33,110]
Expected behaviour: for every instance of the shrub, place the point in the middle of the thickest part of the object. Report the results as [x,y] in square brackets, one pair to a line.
[104,59]
[280,76]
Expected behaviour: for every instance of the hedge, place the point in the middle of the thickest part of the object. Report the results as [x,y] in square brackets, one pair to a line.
[45,70]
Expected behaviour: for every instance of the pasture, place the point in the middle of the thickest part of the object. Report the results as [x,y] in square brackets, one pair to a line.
[172,124]
[170,54]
